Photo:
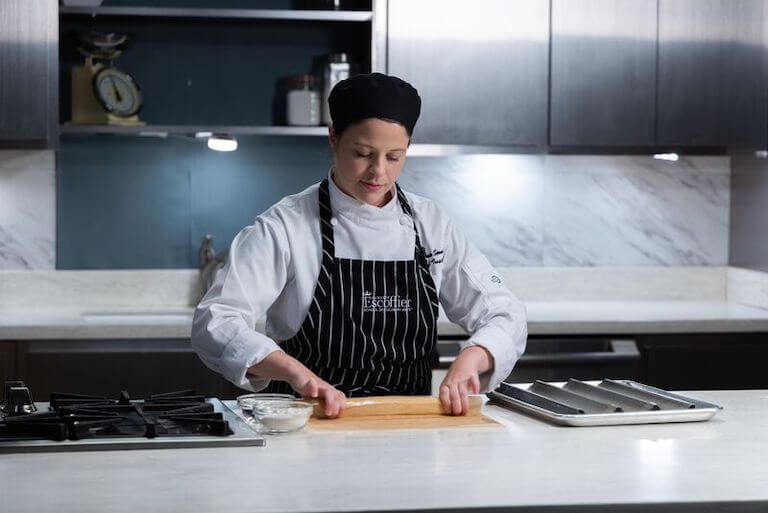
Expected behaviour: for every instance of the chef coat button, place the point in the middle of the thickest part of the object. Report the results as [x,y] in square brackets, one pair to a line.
[405,221]
[334,222]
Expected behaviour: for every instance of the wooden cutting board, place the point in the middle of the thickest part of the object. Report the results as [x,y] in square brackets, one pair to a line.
[398,412]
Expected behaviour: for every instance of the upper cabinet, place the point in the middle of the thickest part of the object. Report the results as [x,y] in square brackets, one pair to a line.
[666,74]
[28,73]
[603,89]
[623,73]
[481,68]
[711,88]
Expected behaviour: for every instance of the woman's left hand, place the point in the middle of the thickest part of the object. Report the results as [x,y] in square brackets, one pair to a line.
[463,378]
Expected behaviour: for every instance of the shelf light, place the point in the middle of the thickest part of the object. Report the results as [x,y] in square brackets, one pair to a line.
[222,142]
[672,157]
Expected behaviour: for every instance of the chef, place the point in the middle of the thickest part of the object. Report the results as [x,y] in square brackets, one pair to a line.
[350,273]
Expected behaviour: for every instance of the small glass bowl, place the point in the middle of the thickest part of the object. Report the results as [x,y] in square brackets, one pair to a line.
[281,416]
[246,402]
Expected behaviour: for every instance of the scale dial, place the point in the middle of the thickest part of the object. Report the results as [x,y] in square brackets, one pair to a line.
[117,92]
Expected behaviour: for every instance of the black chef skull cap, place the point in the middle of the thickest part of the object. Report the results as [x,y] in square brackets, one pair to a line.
[374,96]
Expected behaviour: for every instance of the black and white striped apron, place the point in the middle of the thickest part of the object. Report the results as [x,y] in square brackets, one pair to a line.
[372,325]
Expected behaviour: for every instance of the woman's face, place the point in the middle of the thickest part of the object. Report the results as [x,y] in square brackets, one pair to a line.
[368,158]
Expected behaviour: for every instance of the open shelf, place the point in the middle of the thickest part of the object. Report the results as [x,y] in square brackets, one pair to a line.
[256,14]
[414,150]
[164,130]
[222,73]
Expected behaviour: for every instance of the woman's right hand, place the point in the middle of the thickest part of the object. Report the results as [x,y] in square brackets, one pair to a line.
[281,366]
[310,386]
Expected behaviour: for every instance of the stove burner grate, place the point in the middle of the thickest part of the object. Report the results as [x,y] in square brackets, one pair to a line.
[77,416]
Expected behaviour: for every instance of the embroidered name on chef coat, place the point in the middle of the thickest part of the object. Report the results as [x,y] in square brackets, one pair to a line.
[435,257]
[392,303]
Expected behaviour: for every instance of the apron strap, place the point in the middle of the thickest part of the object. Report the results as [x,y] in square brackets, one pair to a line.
[326,229]
[419,253]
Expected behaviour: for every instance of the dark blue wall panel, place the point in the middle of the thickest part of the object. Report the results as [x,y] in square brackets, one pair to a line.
[230,189]
[143,203]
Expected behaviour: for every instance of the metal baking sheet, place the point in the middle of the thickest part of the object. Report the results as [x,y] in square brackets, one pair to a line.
[243,435]
[605,402]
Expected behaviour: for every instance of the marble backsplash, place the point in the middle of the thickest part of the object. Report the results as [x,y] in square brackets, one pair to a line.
[520,210]
[553,210]
[27,209]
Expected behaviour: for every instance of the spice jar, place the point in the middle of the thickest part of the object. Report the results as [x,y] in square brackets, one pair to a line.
[302,101]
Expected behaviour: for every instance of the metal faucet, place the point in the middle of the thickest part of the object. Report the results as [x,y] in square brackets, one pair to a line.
[209,262]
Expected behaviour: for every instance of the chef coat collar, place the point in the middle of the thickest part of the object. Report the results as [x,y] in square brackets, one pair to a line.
[343,203]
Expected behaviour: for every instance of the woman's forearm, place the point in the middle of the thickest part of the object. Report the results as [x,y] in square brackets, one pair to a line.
[482,360]
[278,365]
[480,356]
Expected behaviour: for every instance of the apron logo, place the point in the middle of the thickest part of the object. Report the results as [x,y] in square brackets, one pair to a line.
[373,303]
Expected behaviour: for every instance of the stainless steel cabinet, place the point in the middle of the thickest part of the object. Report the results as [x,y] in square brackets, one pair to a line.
[711,88]
[481,68]
[603,81]
[29,72]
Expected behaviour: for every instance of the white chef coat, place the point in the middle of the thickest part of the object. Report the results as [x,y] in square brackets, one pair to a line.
[274,264]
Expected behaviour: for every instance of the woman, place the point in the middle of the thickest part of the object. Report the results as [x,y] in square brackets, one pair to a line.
[350,273]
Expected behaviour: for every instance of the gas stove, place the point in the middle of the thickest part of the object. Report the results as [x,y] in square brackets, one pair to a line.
[76,422]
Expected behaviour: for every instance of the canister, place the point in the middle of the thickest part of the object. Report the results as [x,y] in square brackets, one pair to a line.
[302,101]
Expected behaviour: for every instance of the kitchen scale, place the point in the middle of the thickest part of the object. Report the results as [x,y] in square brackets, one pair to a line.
[102,93]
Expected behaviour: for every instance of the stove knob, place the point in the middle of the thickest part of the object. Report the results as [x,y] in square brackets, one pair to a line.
[8,385]
[18,401]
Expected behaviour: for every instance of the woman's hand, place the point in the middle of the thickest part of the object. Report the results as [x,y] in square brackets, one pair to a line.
[463,378]
[310,386]
[281,366]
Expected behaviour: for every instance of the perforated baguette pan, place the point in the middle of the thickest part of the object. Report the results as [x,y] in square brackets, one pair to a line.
[605,402]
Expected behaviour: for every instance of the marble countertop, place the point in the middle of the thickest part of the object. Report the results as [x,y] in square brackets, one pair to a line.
[560,301]
[522,464]
[107,323]
[544,318]
[630,317]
